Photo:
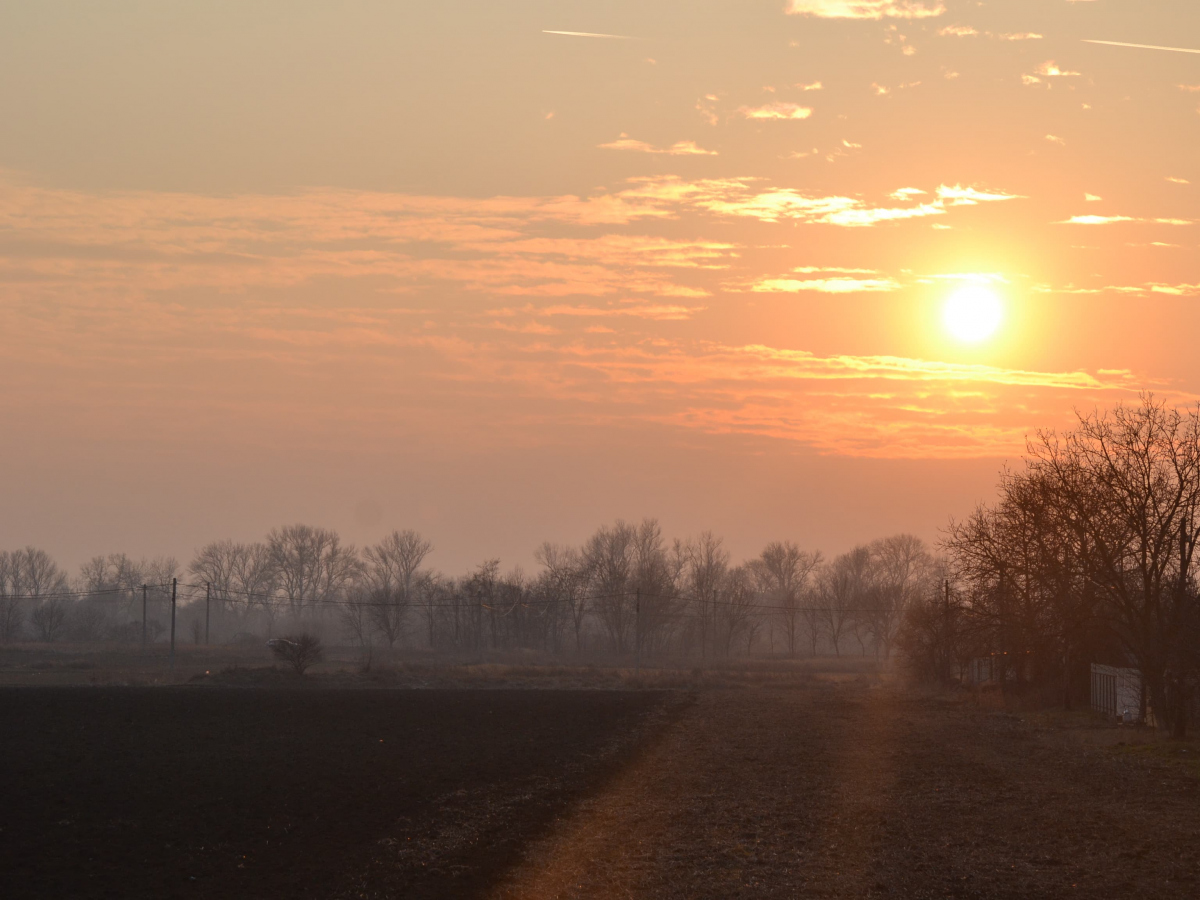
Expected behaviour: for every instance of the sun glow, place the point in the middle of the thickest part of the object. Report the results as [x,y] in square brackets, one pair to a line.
[973,313]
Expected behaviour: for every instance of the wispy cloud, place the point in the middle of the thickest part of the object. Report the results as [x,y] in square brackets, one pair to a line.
[679,148]
[865,9]
[970,196]
[841,285]
[887,406]
[779,111]
[969,31]
[660,312]
[1048,69]
[1150,288]
[1114,220]
[1051,69]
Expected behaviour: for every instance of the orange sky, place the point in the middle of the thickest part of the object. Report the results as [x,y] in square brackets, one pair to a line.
[373,267]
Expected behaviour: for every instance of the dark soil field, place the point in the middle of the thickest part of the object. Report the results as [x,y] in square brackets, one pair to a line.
[821,790]
[229,793]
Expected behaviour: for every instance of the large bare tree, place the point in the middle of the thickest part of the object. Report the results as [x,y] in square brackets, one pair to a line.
[393,577]
[565,580]
[783,572]
[311,566]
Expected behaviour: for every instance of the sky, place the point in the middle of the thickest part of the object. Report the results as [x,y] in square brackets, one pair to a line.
[503,272]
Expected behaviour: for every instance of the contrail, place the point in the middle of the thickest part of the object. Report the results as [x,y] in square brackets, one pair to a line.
[1143,46]
[615,37]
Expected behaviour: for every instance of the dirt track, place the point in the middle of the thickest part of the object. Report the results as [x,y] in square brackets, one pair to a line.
[812,792]
[865,794]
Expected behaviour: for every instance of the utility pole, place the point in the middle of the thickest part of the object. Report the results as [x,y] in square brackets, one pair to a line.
[174,585]
[207,601]
[637,633]
[143,620]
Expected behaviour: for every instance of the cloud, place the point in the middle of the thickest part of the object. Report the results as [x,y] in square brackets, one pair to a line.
[707,107]
[655,311]
[1113,220]
[969,277]
[906,193]
[865,9]
[1092,198]
[787,111]
[1153,287]
[679,148]
[1174,180]
[808,270]
[886,406]
[149,242]
[968,31]
[1050,69]
[825,285]
[1097,220]
[970,196]
[812,86]
[1055,139]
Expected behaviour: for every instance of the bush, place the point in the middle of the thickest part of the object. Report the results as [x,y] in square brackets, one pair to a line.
[299,651]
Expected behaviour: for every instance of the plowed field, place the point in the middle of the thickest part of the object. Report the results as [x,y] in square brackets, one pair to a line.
[818,791]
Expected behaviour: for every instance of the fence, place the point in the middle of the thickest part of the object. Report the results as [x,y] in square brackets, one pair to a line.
[1117,692]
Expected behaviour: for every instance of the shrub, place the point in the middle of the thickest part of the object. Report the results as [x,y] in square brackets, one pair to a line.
[299,651]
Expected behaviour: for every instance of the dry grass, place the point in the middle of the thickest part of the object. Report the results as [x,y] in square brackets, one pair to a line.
[107,664]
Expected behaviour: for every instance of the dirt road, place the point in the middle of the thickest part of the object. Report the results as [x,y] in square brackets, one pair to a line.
[853,793]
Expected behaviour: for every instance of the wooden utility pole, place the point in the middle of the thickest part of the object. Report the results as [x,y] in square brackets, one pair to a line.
[143,620]
[174,585]
[207,601]
[637,634]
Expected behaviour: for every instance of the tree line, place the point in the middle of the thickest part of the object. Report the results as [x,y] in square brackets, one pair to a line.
[625,591]
[1087,555]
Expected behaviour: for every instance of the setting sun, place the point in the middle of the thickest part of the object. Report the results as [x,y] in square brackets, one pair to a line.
[973,313]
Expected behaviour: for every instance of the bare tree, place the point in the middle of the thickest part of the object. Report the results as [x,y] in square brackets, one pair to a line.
[565,581]
[783,571]
[112,590]
[393,577]
[310,565]
[1131,483]
[34,575]
[902,567]
[844,586]
[934,634]
[12,612]
[608,557]
[736,609]
[705,566]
